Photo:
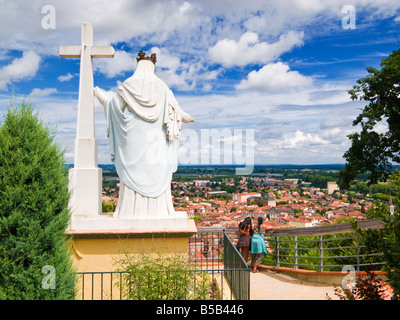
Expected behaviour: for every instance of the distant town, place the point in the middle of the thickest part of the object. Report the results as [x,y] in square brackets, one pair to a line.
[286,196]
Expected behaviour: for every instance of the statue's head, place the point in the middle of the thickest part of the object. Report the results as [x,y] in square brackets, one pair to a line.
[142,56]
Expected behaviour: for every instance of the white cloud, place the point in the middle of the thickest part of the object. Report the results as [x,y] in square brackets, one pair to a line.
[337,122]
[180,74]
[301,140]
[66,77]
[249,50]
[21,26]
[43,92]
[121,63]
[19,69]
[170,23]
[274,77]
[174,72]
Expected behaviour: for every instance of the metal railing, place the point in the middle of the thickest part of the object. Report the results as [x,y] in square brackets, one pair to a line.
[237,271]
[115,285]
[210,253]
[206,249]
[327,248]
[99,285]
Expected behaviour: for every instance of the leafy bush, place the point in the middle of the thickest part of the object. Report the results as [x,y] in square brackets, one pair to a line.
[163,277]
[108,206]
[368,287]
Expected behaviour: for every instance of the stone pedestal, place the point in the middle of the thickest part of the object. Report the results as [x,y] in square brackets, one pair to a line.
[100,233]
[99,244]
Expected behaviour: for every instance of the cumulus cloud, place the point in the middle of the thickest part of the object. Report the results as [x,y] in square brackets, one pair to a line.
[335,135]
[274,77]
[66,77]
[249,50]
[19,69]
[119,22]
[182,75]
[122,62]
[301,140]
[43,92]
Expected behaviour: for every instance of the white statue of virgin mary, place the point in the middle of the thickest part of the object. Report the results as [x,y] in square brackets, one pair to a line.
[143,141]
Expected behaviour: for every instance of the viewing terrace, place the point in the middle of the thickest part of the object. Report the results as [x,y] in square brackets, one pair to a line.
[301,264]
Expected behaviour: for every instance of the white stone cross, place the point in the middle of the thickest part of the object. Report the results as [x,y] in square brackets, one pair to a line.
[86,178]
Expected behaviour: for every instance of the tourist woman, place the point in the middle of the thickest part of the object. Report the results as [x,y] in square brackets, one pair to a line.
[244,242]
[258,247]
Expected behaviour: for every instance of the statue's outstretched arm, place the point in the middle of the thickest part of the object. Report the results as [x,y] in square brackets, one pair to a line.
[100,96]
[104,99]
[186,118]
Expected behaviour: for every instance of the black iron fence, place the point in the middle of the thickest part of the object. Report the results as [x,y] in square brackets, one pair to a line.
[99,285]
[236,270]
[206,249]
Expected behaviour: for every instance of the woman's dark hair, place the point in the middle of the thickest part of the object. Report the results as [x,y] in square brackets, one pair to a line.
[260,221]
[245,223]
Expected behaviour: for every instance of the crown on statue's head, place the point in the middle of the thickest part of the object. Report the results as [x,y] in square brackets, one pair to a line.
[142,56]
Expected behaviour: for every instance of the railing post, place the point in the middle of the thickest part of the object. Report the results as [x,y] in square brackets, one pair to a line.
[358,252]
[321,253]
[277,252]
[295,252]
[83,286]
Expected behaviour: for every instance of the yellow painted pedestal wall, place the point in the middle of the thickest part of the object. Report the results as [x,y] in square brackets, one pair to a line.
[97,254]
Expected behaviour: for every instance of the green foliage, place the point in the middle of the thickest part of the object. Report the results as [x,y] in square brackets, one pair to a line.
[368,287]
[108,206]
[380,196]
[163,277]
[362,187]
[33,210]
[387,239]
[320,179]
[372,151]
[195,218]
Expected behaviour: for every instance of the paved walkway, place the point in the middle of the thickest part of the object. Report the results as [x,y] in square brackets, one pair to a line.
[268,285]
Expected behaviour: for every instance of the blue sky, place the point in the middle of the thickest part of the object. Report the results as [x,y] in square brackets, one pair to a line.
[280,68]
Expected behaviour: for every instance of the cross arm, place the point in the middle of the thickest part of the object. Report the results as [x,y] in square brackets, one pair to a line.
[102,52]
[69,51]
[96,51]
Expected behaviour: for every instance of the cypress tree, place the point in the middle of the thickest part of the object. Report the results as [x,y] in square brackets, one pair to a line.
[34,259]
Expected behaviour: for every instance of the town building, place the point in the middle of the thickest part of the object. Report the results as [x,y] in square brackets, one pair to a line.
[332,187]
[242,197]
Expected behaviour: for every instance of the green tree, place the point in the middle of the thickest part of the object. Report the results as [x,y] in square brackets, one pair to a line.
[34,258]
[387,239]
[373,151]
[362,187]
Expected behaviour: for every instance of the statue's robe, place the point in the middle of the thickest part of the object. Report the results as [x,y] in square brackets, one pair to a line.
[143,142]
